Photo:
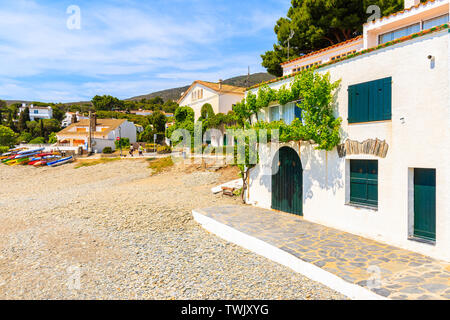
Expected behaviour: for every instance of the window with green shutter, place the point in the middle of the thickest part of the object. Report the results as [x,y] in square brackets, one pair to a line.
[370,101]
[364,182]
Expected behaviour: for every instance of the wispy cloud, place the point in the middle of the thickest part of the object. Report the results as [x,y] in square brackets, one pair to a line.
[127,48]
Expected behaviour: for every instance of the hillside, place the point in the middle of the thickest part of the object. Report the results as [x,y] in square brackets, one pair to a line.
[240,81]
[175,93]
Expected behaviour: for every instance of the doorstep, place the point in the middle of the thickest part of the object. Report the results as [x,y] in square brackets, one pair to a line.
[357,267]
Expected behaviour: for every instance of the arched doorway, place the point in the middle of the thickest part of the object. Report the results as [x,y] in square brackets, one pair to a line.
[287,182]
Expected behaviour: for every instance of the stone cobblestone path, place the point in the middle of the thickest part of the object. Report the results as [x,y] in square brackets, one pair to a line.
[402,274]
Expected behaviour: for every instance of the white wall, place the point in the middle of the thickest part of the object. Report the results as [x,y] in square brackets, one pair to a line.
[128,130]
[420,95]
[221,103]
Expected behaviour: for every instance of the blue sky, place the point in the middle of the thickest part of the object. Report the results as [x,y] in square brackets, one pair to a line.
[127,48]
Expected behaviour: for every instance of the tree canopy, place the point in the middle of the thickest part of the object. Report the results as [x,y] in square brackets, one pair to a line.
[7,136]
[317,24]
[107,103]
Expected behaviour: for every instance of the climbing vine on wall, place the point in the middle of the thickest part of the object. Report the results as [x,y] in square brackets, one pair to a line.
[314,93]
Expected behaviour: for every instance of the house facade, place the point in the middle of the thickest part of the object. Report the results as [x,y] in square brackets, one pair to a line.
[37,113]
[70,118]
[104,133]
[389,180]
[220,96]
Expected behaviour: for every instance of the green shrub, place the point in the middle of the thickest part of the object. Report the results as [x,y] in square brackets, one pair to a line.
[24,137]
[4,149]
[38,140]
[52,138]
[107,150]
[124,142]
[164,150]
[6,136]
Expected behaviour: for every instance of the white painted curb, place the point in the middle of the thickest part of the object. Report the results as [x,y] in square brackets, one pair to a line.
[275,254]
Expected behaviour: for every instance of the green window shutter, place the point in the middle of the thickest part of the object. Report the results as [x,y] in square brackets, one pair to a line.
[387,98]
[370,101]
[364,182]
[352,104]
[362,98]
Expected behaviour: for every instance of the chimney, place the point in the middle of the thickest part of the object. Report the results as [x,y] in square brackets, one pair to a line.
[220,84]
[411,3]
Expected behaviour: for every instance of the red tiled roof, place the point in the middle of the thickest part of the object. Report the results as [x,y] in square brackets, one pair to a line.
[402,11]
[359,53]
[324,49]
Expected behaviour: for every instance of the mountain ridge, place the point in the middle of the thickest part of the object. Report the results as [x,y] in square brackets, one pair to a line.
[175,93]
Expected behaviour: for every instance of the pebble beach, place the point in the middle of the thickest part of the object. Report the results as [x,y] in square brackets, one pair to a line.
[115,231]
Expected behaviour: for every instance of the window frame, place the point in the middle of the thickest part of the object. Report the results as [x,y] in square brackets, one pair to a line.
[369,182]
[421,24]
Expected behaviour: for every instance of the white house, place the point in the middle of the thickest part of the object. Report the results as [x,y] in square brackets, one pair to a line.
[220,96]
[37,113]
[390,178]
[104,133]
[70,117]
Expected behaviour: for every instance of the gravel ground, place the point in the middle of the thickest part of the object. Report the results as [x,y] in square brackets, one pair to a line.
[113,231]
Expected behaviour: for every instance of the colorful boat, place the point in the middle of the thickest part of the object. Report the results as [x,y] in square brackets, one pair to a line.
[30,151]
[60,162]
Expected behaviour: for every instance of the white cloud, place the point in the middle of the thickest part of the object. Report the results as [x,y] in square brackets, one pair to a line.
[120,47]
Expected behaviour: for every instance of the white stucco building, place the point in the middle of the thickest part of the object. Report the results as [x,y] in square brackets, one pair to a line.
[104,133]
[37,113]
[220,96]
[396,94]
[70,117]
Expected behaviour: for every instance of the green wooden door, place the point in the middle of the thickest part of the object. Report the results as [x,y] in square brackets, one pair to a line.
[425,204]
[287,182]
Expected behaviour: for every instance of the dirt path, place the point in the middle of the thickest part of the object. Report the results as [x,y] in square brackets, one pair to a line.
[112,231]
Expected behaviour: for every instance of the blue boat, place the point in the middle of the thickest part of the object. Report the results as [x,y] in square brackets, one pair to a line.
[60,162]
[30,151]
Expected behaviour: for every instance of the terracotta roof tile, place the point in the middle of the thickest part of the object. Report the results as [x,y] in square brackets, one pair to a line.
[110,123]
[324,49]
[402,11]
[226,88]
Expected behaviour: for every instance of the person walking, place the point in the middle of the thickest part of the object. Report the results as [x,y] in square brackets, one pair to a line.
[131,150]
[141,151]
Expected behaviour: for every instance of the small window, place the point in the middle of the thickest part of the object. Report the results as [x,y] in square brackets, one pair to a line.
[427,24]
[261,116]
[364,182]
[36,111]
[275,114]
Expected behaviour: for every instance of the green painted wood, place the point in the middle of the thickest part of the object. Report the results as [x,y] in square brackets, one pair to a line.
[425,204]
[370,101]
[364,182]
[287,182]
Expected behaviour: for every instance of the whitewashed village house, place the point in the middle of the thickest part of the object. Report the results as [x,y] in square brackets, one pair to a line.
[37,113]
[396,95]
[220,96]
[104,133]
[72,117]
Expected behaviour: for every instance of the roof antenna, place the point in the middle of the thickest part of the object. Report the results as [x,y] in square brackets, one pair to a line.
[291,35]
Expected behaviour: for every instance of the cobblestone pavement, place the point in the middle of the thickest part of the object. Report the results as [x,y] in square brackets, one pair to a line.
[388,271]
